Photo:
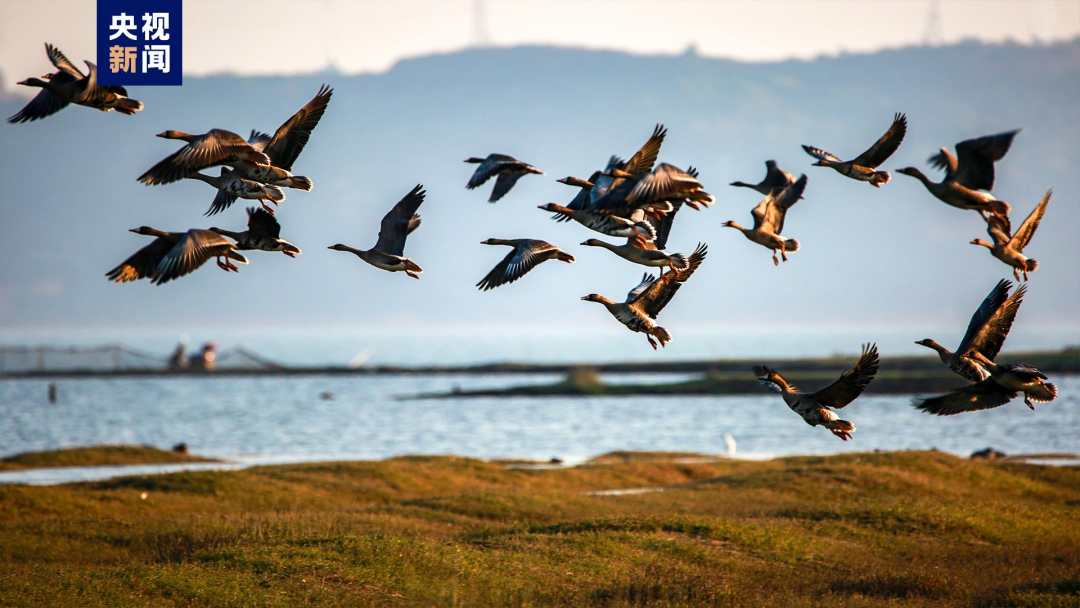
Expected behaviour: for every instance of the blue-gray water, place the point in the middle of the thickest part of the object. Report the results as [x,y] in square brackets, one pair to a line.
[269,418]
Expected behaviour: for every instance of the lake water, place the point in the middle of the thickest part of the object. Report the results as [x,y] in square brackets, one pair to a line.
[272,419]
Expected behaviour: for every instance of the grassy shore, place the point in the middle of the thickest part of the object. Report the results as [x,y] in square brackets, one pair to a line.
[95,456]
[888,529]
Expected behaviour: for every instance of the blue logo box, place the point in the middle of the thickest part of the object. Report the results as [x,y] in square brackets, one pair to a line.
[140,42]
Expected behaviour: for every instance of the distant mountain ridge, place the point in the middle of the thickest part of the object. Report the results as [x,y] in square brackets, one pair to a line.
[867,255]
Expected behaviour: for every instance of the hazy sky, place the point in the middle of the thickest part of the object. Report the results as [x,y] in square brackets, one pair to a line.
[370,35]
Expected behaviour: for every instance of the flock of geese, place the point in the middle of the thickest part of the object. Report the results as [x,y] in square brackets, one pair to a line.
[636,199]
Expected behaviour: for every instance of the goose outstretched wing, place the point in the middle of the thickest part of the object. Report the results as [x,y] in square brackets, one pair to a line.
[990,324]
[974,165]
[852,382]
[291,137]
[215,147]
[886,145]
[656,295]
[643,160]
[981,395]
[262,223]
[400,221]
[192,250]
[526,255]
[1023,234]
[45,103]
[143,262]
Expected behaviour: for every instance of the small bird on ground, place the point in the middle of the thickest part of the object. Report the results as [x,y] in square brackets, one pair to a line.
[644,302]
[769,217]
[389,251]
[508,169]
[864,166]
[817,408]
[263,234]
[1009,246]
[986,333]
[174,254]
[69,85]
[525,255]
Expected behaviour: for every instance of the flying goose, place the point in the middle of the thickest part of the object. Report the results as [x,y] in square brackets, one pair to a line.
[769,217]
[388,252]
[263,234]
[641,251]
[508,169]
[215,147]
[863,167]
[605,223]
[1001,387]
[526,255]
[668,183]
[985,334]
[644,302]
[1009,247]
[642,161]
[775,179]
[282,148]
[69,85]
[817,408]
[969,176]
[230,186]
[174,254]
[609,188]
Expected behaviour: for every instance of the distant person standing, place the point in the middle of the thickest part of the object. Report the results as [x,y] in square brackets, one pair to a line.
[178,358]
[206,359]
[52,392]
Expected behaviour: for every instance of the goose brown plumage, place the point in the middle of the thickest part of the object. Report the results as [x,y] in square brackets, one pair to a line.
[389,250]
[604,223]
[282,148]
[776,179]
[864,166]
[769,215]
[525,255]
[263,234]
[215,147]
[1003,385]
[231,186]
[1008,246]
[508,169]
[644,302]
[172,255]
[816,409]
[69,85]
[985,335]
[642,251]
[969,176]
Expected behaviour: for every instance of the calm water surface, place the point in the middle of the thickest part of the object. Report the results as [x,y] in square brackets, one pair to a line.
[275,419]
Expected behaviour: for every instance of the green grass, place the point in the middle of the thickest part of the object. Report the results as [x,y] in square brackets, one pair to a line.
[96,455]
[885,529]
